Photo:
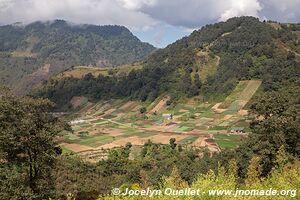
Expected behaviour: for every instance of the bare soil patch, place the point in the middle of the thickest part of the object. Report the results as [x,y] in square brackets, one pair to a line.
[200,142]
[243,112]
[76,147]
[127,105]
[183,110]
[165,139]
[108,112]
[161,105]
[112,131]
[227,117]
[216,108]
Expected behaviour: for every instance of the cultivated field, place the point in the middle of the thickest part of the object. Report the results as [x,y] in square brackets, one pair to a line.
[114,123]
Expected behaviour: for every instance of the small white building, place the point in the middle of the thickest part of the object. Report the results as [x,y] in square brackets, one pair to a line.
[168,116]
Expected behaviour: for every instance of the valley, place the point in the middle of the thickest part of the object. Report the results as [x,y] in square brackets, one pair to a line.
[114,123]
[218,109]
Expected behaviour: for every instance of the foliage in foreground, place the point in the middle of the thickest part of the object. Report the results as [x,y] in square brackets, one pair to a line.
[28,150]
[284,177]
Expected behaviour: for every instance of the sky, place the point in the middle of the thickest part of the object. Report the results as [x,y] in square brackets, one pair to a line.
[159,22]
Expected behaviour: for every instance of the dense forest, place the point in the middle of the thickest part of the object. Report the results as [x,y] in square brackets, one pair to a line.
[240,49]
[34,52]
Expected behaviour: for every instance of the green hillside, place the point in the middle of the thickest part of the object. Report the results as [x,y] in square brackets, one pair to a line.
[35,52]
[210,62]
[218,110]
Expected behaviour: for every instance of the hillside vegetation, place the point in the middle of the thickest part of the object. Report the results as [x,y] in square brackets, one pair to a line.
[242,73]
[35,52]
[33,166]
[210,62]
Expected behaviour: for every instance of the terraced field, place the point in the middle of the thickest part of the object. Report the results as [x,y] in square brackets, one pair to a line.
[113,123]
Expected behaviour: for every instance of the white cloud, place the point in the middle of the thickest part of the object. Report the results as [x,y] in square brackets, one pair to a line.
[137,4]
[144,14]
[241,7]
[79,11]
[281,10]
[194,13]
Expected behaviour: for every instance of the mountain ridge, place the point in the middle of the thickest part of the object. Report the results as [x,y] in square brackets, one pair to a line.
[242,48]
[25,49]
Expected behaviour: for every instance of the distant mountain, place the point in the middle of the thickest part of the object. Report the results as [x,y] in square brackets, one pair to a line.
[32,53]
[210,63]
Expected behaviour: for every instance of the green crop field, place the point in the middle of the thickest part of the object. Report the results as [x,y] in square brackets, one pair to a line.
[99,140]
[190,139]
[227,141]
[194,118]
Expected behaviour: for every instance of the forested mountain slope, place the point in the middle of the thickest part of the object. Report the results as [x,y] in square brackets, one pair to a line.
[209,62]
[31,53]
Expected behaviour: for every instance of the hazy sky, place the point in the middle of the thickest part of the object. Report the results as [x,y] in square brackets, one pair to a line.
[159,22]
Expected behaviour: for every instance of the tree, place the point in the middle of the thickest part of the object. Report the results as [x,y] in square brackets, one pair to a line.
[254,171]
[281,157]
[197,81]
[143,110]
[174,180]
[276,129]
[173,143]
[291,55]
[27,140]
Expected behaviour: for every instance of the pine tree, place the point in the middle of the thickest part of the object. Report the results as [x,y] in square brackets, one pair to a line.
[254,171]
[281,158]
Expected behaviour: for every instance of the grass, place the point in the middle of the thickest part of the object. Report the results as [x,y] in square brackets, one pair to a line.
[233,108]
[102,139]
[76,128]
[157,119]
[65,150]
[189,139]
[242,123]
[183,129]
[219,128]
[146,134]
[209,68]
[235,94]
[243,92]
[155,102]
[130,132]
[101,122]
[81,71]
[224,124]
[227,141]
[84,125]
[203,120]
